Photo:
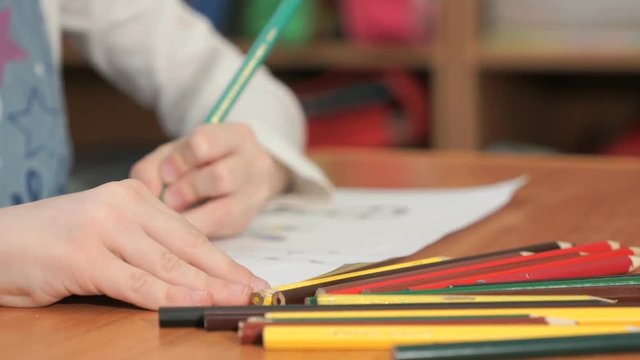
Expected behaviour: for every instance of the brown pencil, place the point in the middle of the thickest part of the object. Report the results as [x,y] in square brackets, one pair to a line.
[296,293]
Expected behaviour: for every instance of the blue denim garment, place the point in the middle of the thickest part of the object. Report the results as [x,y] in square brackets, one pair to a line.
[35,151]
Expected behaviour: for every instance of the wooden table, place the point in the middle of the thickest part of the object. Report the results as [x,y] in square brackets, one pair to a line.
[576,199]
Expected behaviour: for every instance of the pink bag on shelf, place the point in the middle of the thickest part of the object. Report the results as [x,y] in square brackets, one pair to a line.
[388,21]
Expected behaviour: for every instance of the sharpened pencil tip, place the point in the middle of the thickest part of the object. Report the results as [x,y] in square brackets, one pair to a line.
[560,321]
[564,244]
[613,244]
[635,262]
[635,250]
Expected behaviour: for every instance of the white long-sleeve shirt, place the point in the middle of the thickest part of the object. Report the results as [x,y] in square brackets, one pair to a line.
[166,56]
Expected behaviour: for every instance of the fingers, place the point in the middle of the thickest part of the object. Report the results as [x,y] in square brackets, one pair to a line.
[181,238]
[194,248]
[147,169]
[224,217]
[214,180]
[144,253]
[155,260]
[128,283]
[206,144]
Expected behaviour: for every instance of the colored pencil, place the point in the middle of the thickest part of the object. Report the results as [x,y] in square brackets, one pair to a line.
[331,300]
[481,267]
[227,317]
[617,294]
[611,263]
[613,293]
[584,315]
[380,337]
[254,58]
[583,267]
[296,293]
[269,297]
[512,349]
[250,331]
[619,281]
[195,316]
[521,251]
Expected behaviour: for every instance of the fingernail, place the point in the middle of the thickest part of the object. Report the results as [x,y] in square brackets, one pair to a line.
[168,172]
[259,284]
[198,297]
[239,290]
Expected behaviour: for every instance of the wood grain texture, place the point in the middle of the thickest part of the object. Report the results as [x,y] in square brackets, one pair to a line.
[577,199]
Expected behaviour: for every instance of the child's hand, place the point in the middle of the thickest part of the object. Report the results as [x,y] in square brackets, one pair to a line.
[117,240]
[218,177]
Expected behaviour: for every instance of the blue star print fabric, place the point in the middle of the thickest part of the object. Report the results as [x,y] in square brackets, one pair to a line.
[34,141]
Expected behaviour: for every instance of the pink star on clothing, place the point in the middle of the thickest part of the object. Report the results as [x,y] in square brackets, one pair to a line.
[9,50]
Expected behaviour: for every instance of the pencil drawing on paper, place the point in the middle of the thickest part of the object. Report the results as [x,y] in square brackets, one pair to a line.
[344,212]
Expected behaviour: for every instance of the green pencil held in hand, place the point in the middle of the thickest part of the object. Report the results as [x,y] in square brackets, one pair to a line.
[255,57]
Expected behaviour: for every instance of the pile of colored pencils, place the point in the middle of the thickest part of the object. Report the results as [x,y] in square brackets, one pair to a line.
[546,299]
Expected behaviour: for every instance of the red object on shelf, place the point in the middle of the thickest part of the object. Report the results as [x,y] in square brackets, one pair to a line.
[388,21]
[627,145]
[388,109]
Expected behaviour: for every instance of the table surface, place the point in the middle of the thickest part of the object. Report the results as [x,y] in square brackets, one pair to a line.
[577,199]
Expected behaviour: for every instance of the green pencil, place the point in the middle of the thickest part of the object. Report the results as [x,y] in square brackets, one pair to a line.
[511,349]
[255,57]
[623,280]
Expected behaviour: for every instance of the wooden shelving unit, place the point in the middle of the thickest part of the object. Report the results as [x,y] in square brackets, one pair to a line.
[611,61]
[485,94]
[481,94]
[341,55]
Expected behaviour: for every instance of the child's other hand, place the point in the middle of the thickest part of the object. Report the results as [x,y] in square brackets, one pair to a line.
[117,240]
[218,177]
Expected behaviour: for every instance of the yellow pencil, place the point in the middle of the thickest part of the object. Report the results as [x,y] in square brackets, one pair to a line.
[272,296]
[379,337]
[582,315]
[328,299]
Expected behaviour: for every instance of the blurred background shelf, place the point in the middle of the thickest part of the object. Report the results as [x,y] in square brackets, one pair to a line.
[541,60]
[493,71]
[342,55]
[319,55]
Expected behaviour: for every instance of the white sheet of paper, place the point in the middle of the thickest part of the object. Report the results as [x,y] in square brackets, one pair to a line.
[288,243]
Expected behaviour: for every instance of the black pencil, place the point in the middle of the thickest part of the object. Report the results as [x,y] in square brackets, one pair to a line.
[227,318]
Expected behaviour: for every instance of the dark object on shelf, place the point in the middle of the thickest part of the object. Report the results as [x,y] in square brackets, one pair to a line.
[385,109]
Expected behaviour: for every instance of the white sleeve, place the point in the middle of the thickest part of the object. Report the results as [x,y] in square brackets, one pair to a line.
[168,57]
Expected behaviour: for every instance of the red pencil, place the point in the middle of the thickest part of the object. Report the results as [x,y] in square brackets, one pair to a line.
[612,263]
[372,285]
